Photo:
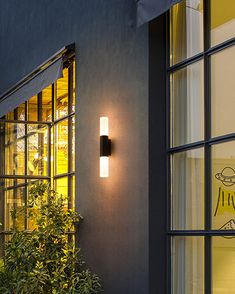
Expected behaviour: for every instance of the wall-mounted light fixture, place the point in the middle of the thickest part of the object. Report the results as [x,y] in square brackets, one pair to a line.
[105,147]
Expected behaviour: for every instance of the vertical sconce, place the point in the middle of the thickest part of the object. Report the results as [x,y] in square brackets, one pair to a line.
[105,147]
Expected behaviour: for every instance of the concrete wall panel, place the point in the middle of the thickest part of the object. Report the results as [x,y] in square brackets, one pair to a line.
[112,79]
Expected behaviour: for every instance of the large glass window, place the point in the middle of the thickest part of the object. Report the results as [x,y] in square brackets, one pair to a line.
[201,150]
[37,143]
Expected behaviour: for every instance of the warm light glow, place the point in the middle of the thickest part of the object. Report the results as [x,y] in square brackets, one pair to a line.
[104,126]
[36,156]
[104,166]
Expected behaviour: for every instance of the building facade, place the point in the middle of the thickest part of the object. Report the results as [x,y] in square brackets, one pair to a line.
[163,221]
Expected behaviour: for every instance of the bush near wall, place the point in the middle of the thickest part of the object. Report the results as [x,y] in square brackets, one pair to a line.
[46,260]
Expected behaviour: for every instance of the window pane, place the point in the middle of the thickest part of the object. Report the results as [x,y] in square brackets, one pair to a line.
[47,104]
[52,159]
[21,112]
[10,115]
[223,265]
[74,93]
[188,265]
[61,186]
[37,138]
[2,237]
[187,105]
[62,95]
[33,109]
[8,224]
[223,186]
[15,202]
[222,92]
[73,191]
[2,203]
[73,144]
[33,212]
[188,190]
[222,21]
[14,149]
[61,147]
[186,30]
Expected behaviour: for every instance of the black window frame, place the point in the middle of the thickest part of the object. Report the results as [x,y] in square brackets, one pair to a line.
[207,143]
[69,60]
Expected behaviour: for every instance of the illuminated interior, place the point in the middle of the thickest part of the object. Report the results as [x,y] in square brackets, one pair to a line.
[202,173]
[37,142]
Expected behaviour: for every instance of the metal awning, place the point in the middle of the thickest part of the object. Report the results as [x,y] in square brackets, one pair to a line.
[43,76]
[150,9]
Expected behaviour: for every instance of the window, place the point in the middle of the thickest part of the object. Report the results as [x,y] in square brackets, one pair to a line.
[201,149]
[37,143]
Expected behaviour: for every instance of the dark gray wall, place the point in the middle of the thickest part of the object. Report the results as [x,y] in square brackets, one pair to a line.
[112,79]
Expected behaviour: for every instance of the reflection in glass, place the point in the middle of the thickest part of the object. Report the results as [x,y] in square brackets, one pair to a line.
[222,21]
[37,141]
[188,265]
[222,92]
[187,105]
[62,95]
[61,147]
[186,27]
[223,186]
[223,265]
[188,190]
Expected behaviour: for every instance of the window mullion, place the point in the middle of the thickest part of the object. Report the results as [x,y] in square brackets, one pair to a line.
[207,99]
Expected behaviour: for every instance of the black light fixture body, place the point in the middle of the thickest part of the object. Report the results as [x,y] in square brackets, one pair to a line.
[105,145]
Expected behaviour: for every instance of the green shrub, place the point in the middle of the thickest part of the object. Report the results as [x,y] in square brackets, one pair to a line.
[46,260]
